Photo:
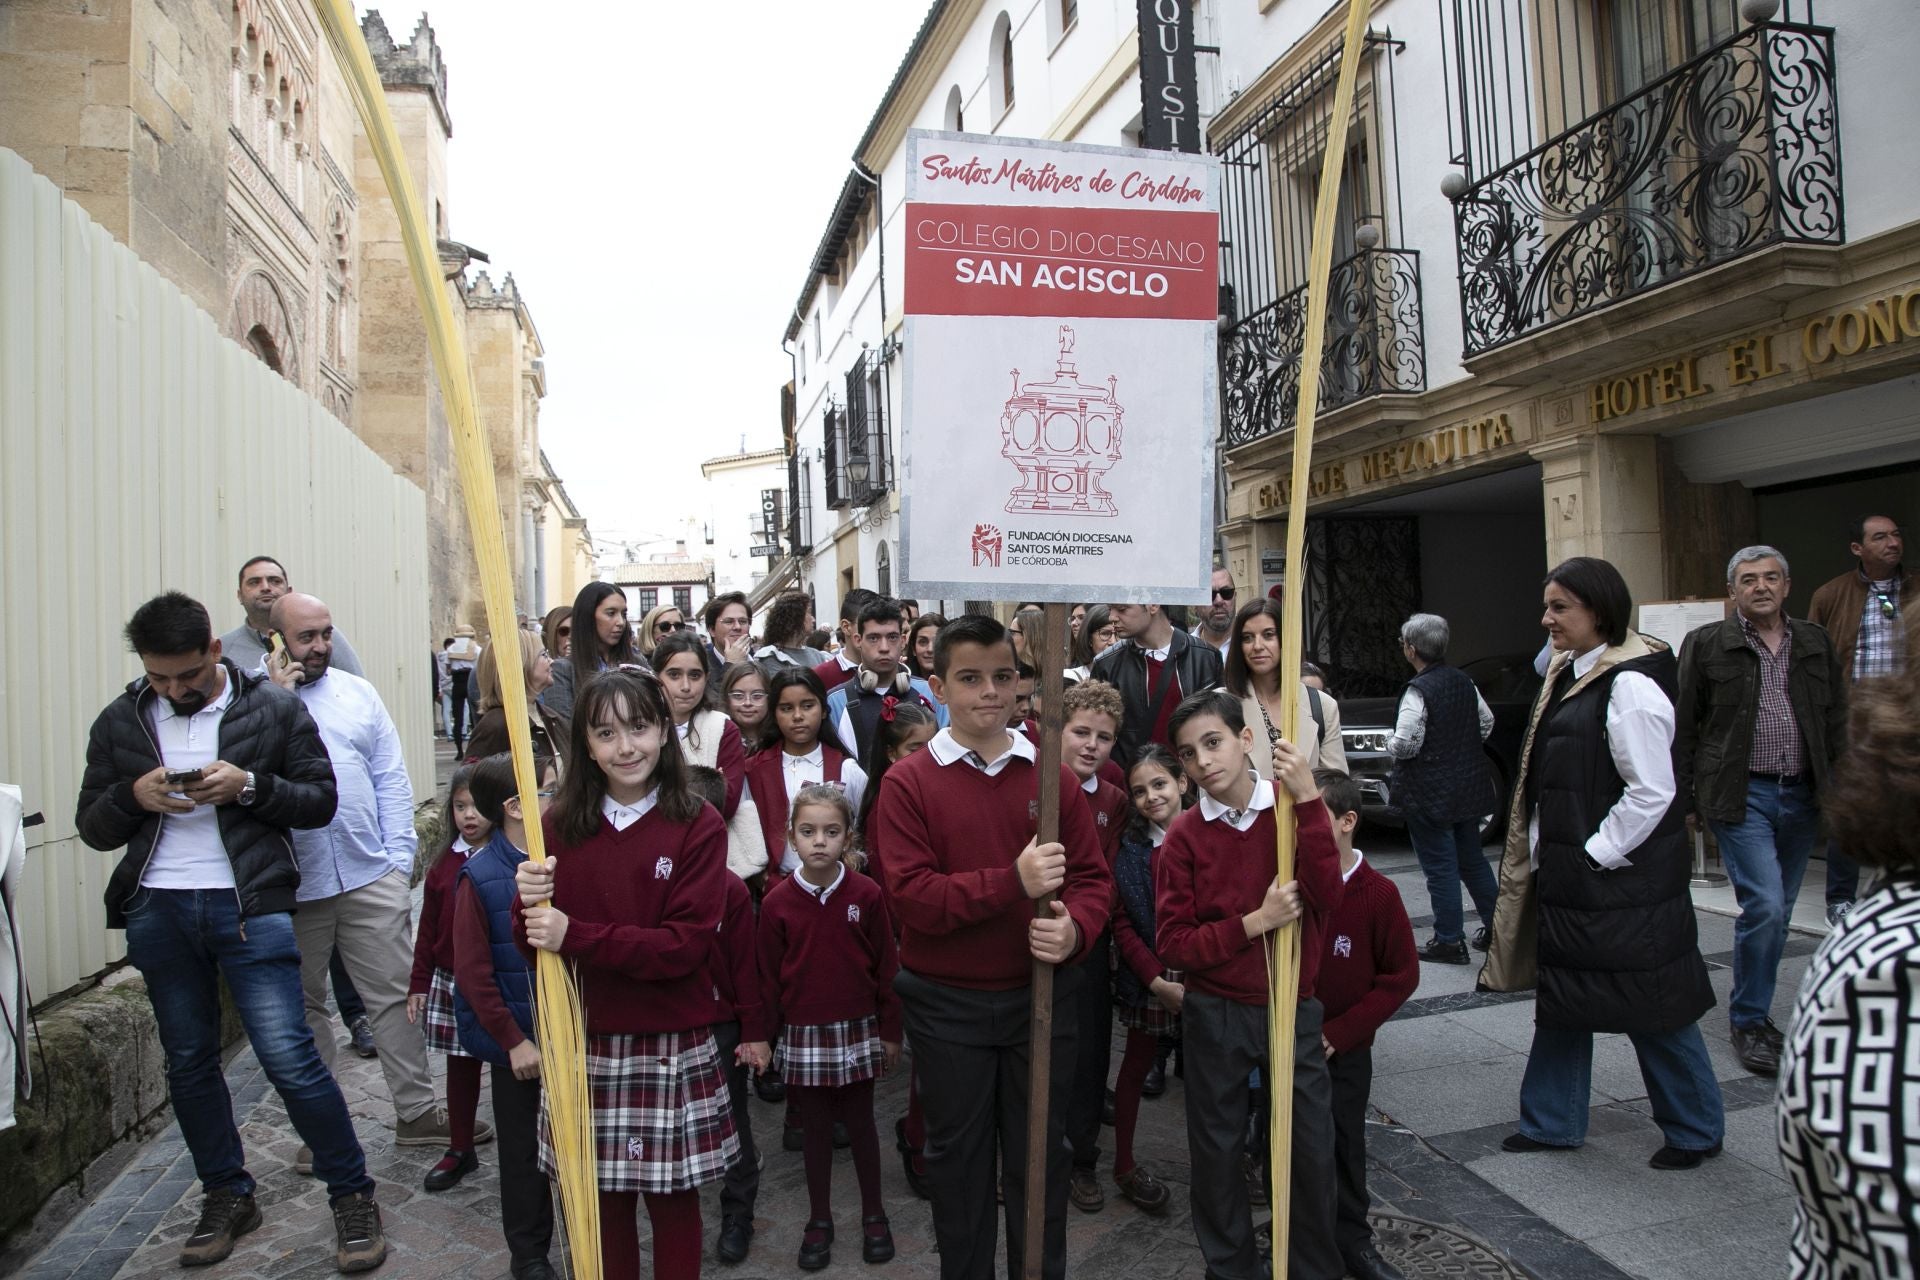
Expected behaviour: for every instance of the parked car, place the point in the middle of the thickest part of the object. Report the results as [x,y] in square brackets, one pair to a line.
[1508,683]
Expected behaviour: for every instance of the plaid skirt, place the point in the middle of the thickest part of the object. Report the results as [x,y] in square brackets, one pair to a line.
[827,1055]
[1151,1017]
[661,1120]
[443,1033]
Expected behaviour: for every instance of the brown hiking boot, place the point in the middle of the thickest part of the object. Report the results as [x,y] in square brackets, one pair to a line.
[359,1244]
[225,1216]
[431,1129]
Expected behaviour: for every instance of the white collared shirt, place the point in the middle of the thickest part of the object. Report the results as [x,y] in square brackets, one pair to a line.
[188,853]
[804,771]
[461,847]
[947,750]
[1239,819]
[817,891]
[1158,655]
[1358,859]
[684,728]
[372,833]
[1090,785]
[1640,741]
[1157,835]
[623,816]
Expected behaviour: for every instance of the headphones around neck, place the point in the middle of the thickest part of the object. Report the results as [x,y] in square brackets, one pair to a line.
[902,682]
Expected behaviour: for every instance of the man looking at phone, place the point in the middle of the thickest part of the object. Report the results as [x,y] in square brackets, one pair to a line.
[355,872]
[201,771]
[262,581]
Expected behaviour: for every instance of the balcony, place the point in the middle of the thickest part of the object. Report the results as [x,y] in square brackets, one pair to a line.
[1373,345]
[1731,153]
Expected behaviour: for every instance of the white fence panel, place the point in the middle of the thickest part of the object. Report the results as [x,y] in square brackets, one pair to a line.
[141,450]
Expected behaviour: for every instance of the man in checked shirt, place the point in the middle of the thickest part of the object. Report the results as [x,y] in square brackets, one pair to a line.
[1759,722]
[1862,610]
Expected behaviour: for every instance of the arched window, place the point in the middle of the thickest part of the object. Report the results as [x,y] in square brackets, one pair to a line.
[1000,64]
[883,570]
[956,113]
[261,343]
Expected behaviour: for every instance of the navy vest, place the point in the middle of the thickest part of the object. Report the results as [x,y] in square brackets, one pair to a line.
[1133,885]
[864,709]
[1448,781]
[490,871]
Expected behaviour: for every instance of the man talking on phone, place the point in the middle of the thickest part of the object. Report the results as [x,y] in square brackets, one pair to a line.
[203,771]
[355,872]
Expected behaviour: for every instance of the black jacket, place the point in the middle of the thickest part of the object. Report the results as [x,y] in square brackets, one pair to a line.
[1124,666]
[1720,699]
[266,731]
[1618,950]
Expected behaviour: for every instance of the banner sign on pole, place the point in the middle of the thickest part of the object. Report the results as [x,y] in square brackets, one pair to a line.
[1169,79]
[1061,386]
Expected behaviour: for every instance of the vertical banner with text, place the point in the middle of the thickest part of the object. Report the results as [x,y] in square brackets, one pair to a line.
[1061,378]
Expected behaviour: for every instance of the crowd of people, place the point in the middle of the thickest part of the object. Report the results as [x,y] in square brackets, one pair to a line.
[787,863]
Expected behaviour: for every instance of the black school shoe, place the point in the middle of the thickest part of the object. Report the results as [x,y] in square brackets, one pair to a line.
[736,1240]
[916,1180]
[876,1239]
[1155,1082]
[816,1246]
[770,1086]
[453,1166]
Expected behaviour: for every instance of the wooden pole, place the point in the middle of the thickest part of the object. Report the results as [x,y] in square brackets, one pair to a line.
[1285,952]
[1052,657]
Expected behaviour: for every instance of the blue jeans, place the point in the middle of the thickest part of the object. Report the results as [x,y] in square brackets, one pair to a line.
[1843,875]
[1450,855]
[1766,857]
[1557,1089]
[183,941]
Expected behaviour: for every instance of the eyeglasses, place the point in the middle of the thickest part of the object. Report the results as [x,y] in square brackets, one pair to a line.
[661,628]
[747,696]
[547,793]
[1224,593]
[564,629]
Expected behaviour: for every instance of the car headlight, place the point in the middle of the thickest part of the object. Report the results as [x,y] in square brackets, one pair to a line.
[1369,740]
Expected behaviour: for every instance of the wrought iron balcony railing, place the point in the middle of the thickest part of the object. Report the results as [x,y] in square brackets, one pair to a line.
[1732,152]
[1373,345]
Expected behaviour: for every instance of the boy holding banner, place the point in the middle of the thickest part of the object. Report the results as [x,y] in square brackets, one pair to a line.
[1219,905]
[953,820]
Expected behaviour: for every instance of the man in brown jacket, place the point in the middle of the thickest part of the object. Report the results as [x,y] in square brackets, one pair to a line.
[1861,611]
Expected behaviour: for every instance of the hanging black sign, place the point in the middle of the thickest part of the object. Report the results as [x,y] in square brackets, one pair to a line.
[1169,103]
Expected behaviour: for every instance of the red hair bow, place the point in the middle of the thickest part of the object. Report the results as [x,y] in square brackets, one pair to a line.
[887,704]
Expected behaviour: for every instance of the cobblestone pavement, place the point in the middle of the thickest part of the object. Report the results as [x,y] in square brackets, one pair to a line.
[1445,1092]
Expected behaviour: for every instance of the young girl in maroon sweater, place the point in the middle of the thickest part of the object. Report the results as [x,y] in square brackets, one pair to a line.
[1146,993]
[799,747]
[430,990]
[632,893]
[827,963]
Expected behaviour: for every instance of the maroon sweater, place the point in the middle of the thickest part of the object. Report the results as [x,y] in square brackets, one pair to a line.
[767,780]
[832,674]
[736,965]
[1368,967]
[1208,875]
[831,961]
[1108,805]
[643,907]
[951,836]
[433,936]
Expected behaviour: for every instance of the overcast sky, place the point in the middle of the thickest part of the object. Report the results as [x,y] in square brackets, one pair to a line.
[656,177]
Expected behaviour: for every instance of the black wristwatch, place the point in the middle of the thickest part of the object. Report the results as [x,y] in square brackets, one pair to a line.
[247,792]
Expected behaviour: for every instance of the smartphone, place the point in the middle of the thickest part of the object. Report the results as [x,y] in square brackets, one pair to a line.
[183,777]
[279,644]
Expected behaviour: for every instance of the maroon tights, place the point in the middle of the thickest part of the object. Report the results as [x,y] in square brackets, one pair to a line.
[1134,1065]
[463,1100]
[852,1106]
[676,1235]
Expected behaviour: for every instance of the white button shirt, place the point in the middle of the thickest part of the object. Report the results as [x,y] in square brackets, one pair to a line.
[188,852]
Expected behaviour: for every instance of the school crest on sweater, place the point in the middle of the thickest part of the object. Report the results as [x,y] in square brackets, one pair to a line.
[663,869]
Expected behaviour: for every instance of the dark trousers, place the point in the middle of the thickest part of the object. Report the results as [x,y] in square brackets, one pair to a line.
[1352,1078]
[1093,1053]
[1843,875]
[345,998]
[526,1200]
[460,680]
[740,1189]
[1225,1042]
[971,1054]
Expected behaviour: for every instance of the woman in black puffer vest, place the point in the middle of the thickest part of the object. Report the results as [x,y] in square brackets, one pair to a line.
[1594,904]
